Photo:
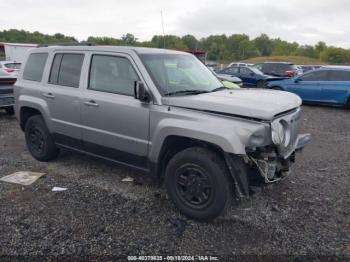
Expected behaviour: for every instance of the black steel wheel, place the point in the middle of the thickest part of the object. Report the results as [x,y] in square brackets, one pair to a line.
[198,183]
[194,186]
[39,141]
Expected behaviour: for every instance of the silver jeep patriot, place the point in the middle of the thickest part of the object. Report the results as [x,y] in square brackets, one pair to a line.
[161,112]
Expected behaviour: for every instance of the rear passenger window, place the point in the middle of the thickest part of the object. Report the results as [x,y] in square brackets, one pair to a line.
[34,68]
[338,75]
[66,69]
[112,74]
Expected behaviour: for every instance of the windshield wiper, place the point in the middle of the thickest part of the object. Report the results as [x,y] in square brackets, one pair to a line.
[218,89]
[189,92]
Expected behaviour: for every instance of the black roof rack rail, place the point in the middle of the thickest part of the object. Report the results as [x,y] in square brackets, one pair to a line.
[68,44]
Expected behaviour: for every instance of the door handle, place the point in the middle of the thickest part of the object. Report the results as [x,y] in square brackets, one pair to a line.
[91,103]
[49,95]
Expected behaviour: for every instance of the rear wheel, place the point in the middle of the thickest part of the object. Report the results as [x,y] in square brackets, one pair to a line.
[198,183]
[39,141]
[348,103]
[10,110]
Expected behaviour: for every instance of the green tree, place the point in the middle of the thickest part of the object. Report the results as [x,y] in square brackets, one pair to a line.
[191,42]
[335,55]
[264,44]
[307,50]
[170,42]
[129,39]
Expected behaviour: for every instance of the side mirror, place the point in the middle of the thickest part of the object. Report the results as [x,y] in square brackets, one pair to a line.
[140,92]
[296,80]
[252,74]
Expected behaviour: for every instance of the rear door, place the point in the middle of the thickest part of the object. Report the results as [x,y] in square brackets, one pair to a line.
[338,88]
[115,124]
[309,86]
[62,93]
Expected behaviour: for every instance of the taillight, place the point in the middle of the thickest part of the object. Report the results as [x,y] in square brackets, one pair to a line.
[9,70]
[290,73]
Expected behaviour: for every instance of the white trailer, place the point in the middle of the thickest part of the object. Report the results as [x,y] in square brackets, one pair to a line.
[16,52]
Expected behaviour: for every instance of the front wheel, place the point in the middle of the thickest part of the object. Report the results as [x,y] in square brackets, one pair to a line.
[197,181]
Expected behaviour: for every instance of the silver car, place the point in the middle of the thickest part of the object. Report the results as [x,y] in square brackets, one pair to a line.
[162,112]
[9,69]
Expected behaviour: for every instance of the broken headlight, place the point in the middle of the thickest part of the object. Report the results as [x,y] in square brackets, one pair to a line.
[280,132]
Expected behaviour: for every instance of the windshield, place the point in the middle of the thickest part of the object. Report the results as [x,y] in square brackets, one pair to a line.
[179,74]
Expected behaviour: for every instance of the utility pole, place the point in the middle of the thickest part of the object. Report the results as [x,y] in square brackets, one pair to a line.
[161,16]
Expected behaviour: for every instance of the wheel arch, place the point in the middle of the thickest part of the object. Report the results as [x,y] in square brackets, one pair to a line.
[26,112]
[173,144]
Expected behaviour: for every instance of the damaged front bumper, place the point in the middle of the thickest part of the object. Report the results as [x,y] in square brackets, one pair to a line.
[302,140]
[271,165]
[265,163]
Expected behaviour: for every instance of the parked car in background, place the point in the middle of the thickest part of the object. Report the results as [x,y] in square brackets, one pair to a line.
[251,76]
[326,86]
[307,68]
[9,69]
[228,78]
[161,112]
[7,100]
[229,85]
[238,64]
[281,69]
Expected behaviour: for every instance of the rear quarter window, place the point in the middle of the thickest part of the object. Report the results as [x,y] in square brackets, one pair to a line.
[34,67]
[339,75]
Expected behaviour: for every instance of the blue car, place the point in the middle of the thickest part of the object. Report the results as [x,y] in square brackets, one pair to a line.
[324,86]
[251,77]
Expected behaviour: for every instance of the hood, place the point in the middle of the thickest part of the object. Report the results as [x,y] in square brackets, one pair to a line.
[251,103]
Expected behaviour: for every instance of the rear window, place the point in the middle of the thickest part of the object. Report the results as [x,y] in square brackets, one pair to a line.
[339,75]
[66,69]
[34,68]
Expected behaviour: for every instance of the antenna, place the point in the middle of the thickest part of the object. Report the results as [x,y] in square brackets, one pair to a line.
[161,16]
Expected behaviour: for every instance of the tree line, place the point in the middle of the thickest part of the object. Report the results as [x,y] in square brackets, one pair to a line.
[221,48]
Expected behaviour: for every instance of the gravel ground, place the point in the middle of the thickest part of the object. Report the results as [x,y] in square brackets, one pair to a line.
[308,213]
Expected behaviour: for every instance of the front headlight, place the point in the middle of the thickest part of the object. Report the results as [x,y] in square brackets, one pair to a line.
[279,132]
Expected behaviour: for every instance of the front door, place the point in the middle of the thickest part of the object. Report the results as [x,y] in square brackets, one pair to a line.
[309,86]
[115,124]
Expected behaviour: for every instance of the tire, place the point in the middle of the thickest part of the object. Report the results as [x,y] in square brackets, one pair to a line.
[260,84]
[10,110]
[348,105]
[39,140]
[198,183]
